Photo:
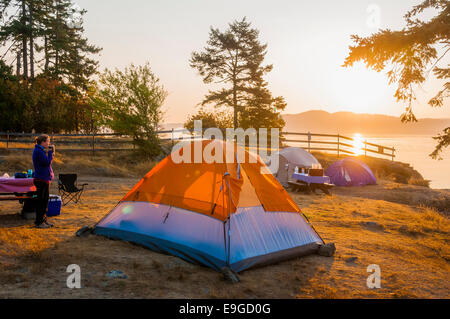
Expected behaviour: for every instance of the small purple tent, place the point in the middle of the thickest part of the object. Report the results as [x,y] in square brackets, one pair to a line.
[350,172]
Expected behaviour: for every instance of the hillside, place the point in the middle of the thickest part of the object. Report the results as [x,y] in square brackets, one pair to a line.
[367,124]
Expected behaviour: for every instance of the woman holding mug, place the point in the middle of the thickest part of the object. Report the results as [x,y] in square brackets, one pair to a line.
[43,175]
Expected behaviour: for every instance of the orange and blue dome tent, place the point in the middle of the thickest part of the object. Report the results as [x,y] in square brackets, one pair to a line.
[219,214]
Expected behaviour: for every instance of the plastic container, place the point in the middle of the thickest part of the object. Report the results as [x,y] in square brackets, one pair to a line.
[54,206]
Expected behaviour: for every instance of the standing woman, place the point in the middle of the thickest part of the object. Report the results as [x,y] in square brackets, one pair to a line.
[43,175]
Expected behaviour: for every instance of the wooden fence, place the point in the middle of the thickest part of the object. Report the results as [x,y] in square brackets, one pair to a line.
[113,142]
[337,143]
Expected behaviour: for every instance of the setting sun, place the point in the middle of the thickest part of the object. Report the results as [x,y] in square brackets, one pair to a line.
[358,144]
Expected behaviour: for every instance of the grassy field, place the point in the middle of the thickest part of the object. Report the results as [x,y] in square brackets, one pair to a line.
[368,225]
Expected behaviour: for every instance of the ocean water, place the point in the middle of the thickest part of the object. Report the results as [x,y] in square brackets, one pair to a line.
[411,149]
[415,150]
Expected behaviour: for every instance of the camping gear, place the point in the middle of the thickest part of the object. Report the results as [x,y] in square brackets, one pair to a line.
[350,172]
[310,183]
[291,158]
[218,214]
[20,175]
[54,206]
[53,209]
[29,208]
[315,172]
[68,189]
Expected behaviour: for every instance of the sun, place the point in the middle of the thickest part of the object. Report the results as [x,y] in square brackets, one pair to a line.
[358,144]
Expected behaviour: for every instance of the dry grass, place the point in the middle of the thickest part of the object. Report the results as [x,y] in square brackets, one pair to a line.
[411,245]
[113,165]
[404,194]
[17,145]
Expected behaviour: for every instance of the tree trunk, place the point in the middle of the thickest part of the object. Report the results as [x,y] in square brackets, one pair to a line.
[235,109]
[235,103]
[18,64]
[47,58]
[31,40]
[24,42]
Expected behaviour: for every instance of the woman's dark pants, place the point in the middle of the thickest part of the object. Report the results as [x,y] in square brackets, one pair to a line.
[42,192]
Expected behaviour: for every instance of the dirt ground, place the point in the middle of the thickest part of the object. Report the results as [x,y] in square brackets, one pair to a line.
[369,225]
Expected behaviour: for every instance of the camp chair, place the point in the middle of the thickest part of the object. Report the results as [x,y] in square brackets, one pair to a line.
[68,189]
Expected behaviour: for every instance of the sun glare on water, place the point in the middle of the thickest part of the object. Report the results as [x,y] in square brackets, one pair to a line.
[358,144]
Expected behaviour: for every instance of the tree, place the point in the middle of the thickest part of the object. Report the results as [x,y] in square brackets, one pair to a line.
[5,71]
[41,107]
[54,27]
[235,58]
[54,30]
[130,102]
[15,29]
[411,54]
[263,114]
[67,52]
[221,119]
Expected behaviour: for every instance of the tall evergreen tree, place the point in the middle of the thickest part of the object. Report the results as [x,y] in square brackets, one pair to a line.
[235,57]
[53,28]
[48,35]
[15,29]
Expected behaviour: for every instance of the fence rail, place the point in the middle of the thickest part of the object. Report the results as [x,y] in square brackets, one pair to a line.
[343,144]
[98,142]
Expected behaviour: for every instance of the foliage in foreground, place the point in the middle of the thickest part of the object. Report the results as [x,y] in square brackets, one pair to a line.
[411,54]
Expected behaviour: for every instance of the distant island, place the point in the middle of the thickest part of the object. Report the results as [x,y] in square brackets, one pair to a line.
[350,123]
[367,124]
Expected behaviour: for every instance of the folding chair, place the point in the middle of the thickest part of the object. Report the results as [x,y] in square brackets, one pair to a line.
[68,189]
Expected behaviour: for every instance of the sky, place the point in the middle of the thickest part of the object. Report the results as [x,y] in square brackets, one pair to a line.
[307,45]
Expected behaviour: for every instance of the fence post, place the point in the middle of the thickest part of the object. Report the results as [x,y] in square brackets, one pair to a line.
[338,145]
[172,137]
[393,153]
[365,148]
[93,143]
[309,142]
[7,139]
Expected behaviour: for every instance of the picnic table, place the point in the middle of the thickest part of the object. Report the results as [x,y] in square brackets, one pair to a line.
[311,183]
[16,185]
[16,188]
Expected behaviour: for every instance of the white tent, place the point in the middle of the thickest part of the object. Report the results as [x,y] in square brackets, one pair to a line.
[292,157]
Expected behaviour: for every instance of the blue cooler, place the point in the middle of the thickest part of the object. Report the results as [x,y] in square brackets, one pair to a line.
[54,206]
